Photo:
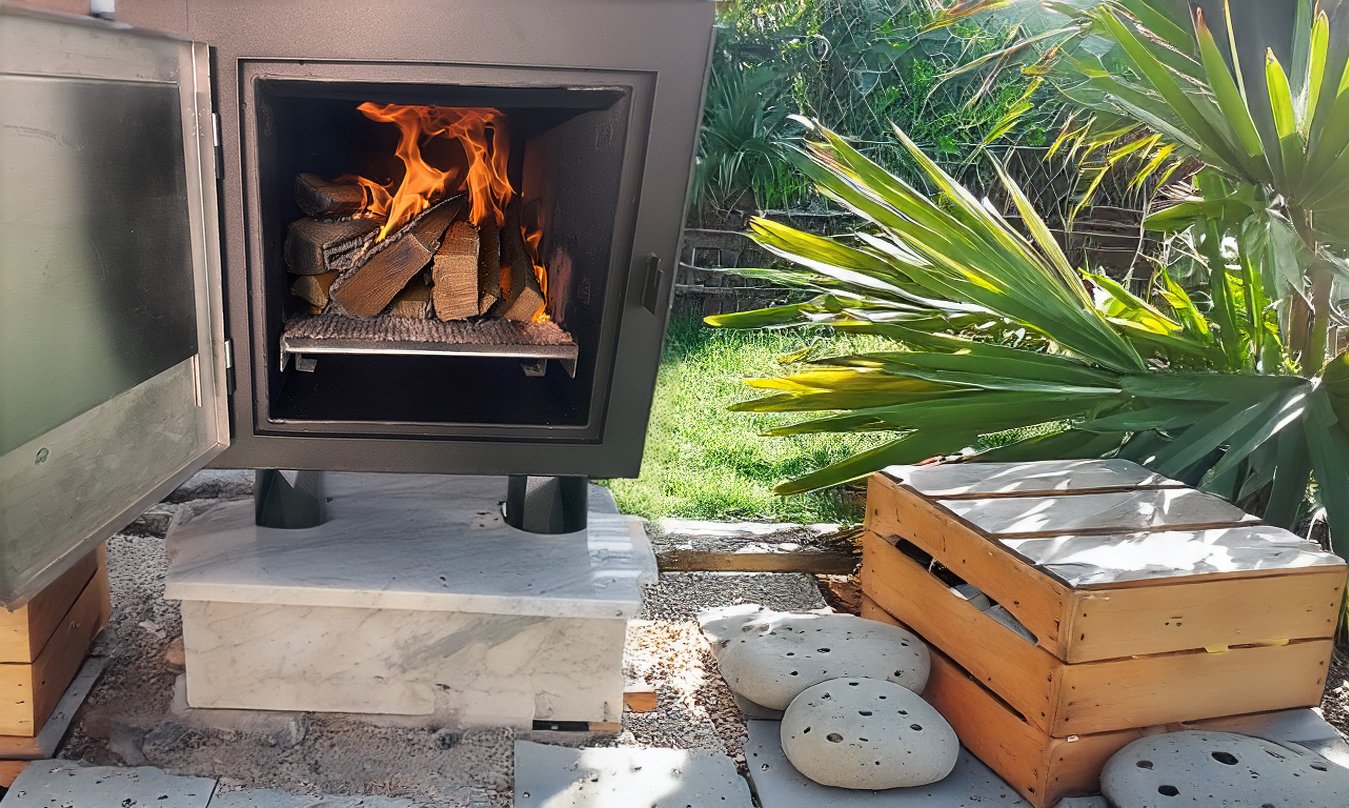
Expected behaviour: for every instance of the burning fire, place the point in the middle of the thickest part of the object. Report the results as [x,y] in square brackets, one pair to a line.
[483,136]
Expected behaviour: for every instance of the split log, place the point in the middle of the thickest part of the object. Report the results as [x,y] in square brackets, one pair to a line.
[372,286]
[521,296]
[314,289]
[325,199]
[314,247]
[454,274]
[489,265]
[413,303]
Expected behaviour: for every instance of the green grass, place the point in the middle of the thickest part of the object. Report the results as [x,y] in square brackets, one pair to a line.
[703,462]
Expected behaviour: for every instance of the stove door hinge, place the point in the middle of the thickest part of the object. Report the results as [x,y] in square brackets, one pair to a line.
[219,153]
[229,367]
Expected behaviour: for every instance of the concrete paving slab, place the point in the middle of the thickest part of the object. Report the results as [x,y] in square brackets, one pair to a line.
[779,785]
[562,777]
[63,784]
[268,798]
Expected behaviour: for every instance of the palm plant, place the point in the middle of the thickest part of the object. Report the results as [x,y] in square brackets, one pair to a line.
[996,333]
[744,124]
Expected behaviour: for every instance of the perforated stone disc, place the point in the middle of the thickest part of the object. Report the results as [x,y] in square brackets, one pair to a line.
[1220,770]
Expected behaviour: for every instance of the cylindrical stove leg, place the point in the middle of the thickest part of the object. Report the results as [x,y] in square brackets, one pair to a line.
[290,500]
[547,504]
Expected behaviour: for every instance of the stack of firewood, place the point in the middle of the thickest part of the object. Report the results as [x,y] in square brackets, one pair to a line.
[437,265]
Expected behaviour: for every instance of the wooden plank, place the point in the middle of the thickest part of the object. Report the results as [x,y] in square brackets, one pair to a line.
[1035,599]
[10,771]
[29,693]
[1252,609]
[45,744]
[454,274]
[328,199]
[25,631]
[1116,512]
[1043,769]
[1168,688]
[757,556]
[640,697]
[1033,478]
[1020,672]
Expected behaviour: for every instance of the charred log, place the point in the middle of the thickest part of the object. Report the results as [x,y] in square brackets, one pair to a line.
[315,246]
[324,199]
[368,289]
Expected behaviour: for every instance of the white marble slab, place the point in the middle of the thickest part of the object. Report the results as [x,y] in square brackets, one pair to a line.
[414,543]
[780,785]
[624,777]
[1117,511]
[455,668]
[63,784]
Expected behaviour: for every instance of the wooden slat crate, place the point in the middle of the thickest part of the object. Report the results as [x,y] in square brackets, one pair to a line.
[1064,699]
[1143,604]
[31,687]
[1079,564]
[1042,768]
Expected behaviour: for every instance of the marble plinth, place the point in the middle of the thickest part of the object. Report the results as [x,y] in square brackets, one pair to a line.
[415,599]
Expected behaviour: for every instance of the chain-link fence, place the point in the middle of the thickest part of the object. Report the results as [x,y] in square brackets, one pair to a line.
[861,66]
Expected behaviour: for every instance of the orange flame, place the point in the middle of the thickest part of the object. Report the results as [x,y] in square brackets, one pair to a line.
[480,132]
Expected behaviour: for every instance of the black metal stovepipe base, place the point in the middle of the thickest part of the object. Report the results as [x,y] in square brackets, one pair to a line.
[291,500]
[547,504]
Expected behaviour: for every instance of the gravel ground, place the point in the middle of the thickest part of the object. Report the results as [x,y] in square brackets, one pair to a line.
[128,718]
[128,721]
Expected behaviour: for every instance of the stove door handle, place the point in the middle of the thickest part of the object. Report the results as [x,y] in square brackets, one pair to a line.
[651,286]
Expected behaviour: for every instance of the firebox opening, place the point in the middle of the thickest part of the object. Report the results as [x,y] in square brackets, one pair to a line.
[522,352]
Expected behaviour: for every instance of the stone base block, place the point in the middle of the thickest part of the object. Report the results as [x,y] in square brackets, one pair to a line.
[413,599]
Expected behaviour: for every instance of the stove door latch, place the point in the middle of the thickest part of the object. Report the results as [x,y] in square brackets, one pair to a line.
[655,279]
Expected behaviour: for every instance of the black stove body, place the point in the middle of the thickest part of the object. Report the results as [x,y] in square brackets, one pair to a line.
[604,99]
[146,187]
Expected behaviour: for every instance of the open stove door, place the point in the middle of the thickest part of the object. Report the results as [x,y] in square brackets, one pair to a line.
[112,347]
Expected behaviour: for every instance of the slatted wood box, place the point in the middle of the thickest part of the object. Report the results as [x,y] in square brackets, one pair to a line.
[1042,768]
[1130,592]
[1149,604]
[44,642]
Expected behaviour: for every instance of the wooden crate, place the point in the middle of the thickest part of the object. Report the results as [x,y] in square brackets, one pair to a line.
[1020,532]
[25,631]
[1064,699]
[29,691]
[1042,768]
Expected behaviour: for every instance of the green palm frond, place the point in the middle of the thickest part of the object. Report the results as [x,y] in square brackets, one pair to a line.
[995,333]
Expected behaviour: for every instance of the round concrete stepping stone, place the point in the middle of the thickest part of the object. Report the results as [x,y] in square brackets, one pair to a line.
[777,656]
[867,733]
[1220,770]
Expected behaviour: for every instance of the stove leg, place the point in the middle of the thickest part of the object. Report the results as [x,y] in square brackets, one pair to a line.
[547,504]
[290,500]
